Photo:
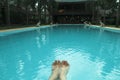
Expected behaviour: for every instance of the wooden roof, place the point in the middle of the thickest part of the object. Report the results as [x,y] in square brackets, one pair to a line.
[72,0]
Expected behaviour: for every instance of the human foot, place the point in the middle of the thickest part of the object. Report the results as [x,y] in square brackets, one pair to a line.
[55,70]
[64,70]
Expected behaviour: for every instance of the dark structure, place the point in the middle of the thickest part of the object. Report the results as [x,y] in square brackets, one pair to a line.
[58,11]
[75,12]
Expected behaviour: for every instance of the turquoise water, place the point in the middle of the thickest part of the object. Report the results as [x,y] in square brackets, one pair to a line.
[93,54]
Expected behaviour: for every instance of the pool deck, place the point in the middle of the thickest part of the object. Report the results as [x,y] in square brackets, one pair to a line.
[5,30]
[109,27]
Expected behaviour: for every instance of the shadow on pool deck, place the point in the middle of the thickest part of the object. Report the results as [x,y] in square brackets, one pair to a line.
[14,27]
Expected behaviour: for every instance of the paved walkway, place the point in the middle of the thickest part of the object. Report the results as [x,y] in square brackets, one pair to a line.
[34,27]
[15,29]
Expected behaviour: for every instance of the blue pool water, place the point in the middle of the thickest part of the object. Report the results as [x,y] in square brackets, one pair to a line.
[93,53]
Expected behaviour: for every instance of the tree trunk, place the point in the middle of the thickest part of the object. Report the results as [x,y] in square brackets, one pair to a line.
[104,20]
[45,14]
[117,15]
[39,10]
[27,15]
[7,12]
[93,12]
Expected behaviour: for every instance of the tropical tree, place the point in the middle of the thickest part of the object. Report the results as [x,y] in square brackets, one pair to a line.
[19,11]
[27,6]
[117,13]
[1,11]
[105,7]
[53,7]
[45,10]
[6,12]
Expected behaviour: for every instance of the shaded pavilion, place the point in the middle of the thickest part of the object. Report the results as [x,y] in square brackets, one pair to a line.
[74,12]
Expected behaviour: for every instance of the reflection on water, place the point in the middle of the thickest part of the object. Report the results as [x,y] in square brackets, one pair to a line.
[43,39]
[82,67]
[92,54]
[38,42]
[20,70]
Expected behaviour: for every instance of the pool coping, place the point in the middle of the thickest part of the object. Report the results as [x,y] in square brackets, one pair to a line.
[18,30]
[111,29]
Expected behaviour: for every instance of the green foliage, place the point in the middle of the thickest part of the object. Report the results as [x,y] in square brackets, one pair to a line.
[26,9]
[107,4]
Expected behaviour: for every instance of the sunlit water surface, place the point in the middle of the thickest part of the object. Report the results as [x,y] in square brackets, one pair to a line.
[93,54]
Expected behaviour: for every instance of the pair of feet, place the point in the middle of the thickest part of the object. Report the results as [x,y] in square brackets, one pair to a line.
[59,70]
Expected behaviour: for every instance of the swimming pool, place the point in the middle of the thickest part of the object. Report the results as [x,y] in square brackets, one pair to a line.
[92,52]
